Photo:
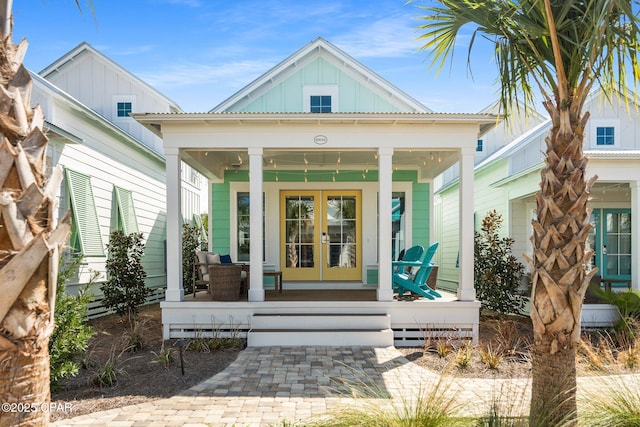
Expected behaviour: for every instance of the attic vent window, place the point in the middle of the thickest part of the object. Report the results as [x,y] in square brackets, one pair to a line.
[123,109]
[320,104]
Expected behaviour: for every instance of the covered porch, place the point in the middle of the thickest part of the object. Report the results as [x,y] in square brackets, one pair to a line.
[370,157]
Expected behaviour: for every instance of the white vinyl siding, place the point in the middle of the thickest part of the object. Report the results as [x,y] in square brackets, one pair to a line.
[125,214]
[86,228]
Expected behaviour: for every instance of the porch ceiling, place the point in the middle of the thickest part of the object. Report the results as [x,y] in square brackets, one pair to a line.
[213,163]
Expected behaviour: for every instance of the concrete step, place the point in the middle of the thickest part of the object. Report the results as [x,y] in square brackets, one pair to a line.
[320,337]
[320,329]
[320,321]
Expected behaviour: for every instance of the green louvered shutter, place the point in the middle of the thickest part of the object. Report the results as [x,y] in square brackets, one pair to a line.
[126,212]
[85,216]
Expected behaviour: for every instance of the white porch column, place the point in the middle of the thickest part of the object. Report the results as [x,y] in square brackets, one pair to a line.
[256,290]
[466,290]
[385,182]
[175,291]
[634,187]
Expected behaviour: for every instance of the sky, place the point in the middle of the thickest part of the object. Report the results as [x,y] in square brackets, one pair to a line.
[200,52]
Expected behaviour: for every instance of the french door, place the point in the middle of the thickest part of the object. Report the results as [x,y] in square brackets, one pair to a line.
[610,236]
[320,235]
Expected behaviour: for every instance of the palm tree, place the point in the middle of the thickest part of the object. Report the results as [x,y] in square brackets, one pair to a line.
[29,241]
[563,49]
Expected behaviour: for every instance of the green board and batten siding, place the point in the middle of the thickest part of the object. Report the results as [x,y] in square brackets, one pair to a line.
[287,95]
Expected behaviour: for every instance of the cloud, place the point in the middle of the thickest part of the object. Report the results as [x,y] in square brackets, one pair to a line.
[387,37]
[231,74]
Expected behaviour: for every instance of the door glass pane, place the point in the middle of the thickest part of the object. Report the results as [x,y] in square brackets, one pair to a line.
[625,223]
[618,244]
[341,229]
[612,223]
[625,265]
[299,223]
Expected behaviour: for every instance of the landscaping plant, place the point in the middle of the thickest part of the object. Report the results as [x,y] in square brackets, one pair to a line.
[125,290]
[71,335]
[191,242]
[497,272]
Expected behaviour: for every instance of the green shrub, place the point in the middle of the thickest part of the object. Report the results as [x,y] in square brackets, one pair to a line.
[628,305]
[190,243]
[71,334]
[125,290]
[497,272]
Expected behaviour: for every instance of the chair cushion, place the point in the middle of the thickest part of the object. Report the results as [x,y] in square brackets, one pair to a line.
[202,260]
[213,258]
[225,259]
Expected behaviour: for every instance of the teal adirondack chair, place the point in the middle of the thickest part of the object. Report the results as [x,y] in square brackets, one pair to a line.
[405,281]
[412,254]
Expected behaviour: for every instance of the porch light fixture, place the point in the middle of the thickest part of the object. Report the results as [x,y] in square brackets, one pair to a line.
[306,162]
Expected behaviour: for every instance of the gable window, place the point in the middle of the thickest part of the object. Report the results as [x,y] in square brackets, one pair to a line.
[85,239]
[122,106]
[320,104]
[479,146]
[320,99]
[124,214]
[605,135]
[123,109]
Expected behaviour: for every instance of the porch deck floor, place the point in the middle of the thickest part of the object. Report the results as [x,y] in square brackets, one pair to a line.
[303,295]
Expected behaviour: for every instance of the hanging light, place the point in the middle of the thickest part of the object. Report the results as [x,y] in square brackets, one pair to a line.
[306,162]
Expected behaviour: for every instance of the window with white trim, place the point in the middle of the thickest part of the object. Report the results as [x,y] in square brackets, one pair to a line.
[480,146]
[123,105]
[605,135]
[320,99]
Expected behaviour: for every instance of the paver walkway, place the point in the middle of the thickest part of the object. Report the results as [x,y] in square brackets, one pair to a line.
[266,385]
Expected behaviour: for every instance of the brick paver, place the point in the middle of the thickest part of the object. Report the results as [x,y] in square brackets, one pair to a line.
[267,385]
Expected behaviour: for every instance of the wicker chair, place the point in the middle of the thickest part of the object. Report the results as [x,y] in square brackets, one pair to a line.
[224,281]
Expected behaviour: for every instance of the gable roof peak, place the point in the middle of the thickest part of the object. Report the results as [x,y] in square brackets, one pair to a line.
[86,48]
[314,47]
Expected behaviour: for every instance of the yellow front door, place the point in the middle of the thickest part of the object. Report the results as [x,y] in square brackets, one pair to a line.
[341,236]
[320,235]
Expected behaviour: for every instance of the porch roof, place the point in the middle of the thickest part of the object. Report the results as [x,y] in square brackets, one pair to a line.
[215,142]
[155,121]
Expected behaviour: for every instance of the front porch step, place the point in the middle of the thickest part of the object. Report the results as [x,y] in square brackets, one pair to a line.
[320,329]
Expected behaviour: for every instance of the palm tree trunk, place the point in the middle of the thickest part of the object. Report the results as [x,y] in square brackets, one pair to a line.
[29,243]
[560,274]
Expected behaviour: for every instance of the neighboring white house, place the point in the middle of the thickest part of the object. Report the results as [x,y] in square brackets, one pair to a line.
[320,130]
[114,168]
[508,179]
